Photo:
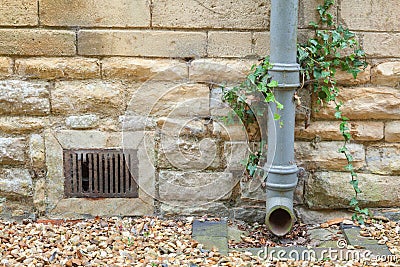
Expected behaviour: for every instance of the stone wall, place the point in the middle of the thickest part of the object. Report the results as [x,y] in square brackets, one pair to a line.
[147,74]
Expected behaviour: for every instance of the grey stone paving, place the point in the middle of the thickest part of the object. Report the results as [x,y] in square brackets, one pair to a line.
[211,234]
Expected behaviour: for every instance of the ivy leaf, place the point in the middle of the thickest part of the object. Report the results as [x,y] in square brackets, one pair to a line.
[353,202]
[272,84]
[277,116]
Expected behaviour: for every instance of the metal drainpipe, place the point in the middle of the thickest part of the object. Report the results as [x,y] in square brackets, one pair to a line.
[282,176]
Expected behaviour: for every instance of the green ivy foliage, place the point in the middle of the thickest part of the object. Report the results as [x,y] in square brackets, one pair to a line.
[332,48]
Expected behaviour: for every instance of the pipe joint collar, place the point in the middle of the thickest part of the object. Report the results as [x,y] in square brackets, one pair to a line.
[287,75]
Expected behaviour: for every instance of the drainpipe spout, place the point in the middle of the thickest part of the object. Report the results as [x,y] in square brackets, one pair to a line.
[281,168]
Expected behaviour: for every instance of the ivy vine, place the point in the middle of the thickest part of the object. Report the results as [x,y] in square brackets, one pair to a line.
[332,48]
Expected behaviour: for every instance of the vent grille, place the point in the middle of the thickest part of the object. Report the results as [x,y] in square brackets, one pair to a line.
[98,173]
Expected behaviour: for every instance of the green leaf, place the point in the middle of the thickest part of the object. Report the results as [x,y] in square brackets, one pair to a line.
[272,84]
[277,116]
[353,202]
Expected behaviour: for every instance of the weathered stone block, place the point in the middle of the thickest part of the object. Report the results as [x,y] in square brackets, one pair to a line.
[189,153]
[19,125]
[39,195]
[249,214]
[373,15]
[329,190]
[182,127]
[383,159]
[392,131]
[325,130]
[139,69]
[37,151]
[381,44]
[195,186]
[308,12]
[219,71]
[345,78]
[69,97]
[6,68]
[167,99]
[82,122]
[194,208]
[95,13]
[35,42]
[367,130]
[18,13]
[141,43]
[15,183]
[387,73]
[137,123]
[24,98]
[364,103]
[217,14]
[12,150]
[326,156]
[236,153]
[229,44]
[230,132]
[70,139]
[58,68]
[261,43]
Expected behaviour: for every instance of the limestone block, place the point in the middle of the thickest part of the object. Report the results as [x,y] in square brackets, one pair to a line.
[37,42]
[58,68]
[383,159]
[18,13]
[195,186]
[181,127]
[261,42]
[137,123]
[216,14]
[12,150]
[142,43]
[15,183]
[71,97]
[230,132]
[23,97]
[20,125]
[39,195]
[381,44]
[219,71]
[330,190]
[194,208]
[95,13]
[168,99]
[139,69]
[367,130]
[249,214]
[345,78]
[365,103]
[88,121]
[6,68]
[387,73]
[372,15]
[229,44]
[308,12]
[392,131]
[325,155]
[236,153]
[37,151]
[72,139]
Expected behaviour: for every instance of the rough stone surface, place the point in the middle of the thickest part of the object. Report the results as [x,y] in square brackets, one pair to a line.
[235,153]
[167,99]
[392,131]
[37,42]
[364,103]
[12,150]
[24,98]
[325,130]
[72,97]
[194,208]
[58,68]
[229,44]
[141,43]
[219,71]
[249,214]
[345,78]
[15,183]
[230,132]
[82,122]
[330,190]
[20,125]
[325,155]
[18,13]
[195,186]
[37,151]
[308,216]
[70,139]
[39,195]
[95,13]
[387,73]
[138,69]
[79,208]
[137,123]
[308,12]
[6,68]
[367,130]
[382,16]
[261,43]
[217,14]
[383,159]
[381,44]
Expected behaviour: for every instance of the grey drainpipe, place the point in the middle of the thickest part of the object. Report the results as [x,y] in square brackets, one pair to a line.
[282,176]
